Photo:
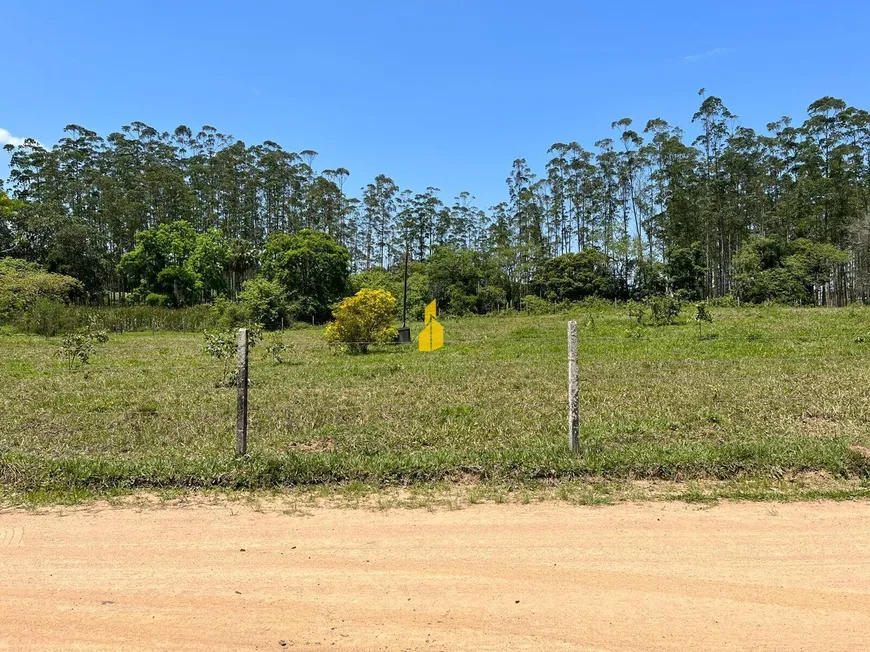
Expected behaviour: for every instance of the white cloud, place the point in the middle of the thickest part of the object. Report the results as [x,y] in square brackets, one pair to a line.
[706,55]
[8,139]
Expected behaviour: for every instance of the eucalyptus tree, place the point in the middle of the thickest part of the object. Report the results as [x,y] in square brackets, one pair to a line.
[829,172]
[715,120]
[632,170]
[525,213]
[583,195]
[557,175]
[468,223]
[613,233]
[324,206]
[379,211]
[338,177]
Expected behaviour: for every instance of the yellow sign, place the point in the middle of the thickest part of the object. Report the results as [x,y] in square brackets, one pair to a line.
[432,335]
[429,313]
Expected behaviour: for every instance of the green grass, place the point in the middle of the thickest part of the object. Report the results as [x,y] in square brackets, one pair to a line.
[771,394]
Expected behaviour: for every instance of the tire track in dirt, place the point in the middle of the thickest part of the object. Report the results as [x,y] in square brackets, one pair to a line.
[11,537]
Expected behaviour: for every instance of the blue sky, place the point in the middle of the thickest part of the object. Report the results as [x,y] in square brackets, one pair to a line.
[442,93]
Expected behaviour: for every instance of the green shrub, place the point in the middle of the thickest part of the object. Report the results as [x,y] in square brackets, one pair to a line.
[265,302]
[229,314]
[728,301]
[157,300]
[48,317]
[537,306]
[491,298]
[363,319]
[460,303]
[664,310]
[22,284]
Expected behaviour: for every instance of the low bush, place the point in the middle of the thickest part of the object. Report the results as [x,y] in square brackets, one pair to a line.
[363,319]
[23,284]
[728,301]
[461,303]
[157,300]
[48,317]
[536,305]
[664,310]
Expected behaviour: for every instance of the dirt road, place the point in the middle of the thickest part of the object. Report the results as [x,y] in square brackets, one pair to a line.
[537,577]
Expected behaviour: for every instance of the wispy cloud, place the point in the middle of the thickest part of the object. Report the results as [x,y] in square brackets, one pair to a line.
[715,52]
[8,139]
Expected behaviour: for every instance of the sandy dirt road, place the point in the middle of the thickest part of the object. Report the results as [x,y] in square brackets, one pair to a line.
[549,576]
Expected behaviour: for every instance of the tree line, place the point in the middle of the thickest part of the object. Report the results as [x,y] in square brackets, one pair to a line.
[778,215]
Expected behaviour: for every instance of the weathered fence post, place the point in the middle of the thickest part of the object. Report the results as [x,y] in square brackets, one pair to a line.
[573,390]
[242,385]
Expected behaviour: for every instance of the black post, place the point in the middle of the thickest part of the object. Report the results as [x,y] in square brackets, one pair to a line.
[404,334]
[405,295]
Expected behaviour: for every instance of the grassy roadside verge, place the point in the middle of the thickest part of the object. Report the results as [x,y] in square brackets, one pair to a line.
[455,495]
[771,396]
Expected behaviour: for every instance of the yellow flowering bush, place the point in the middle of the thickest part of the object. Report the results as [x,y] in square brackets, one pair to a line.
[363,319]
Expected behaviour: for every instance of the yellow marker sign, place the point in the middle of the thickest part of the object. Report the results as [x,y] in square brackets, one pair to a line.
[432,336]
[429,313]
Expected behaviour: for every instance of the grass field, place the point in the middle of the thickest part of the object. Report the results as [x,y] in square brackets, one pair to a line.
[773,394]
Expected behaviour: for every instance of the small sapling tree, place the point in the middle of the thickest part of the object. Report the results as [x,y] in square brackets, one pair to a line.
[702,314]
[222,346]
[637,311]
[363,319]
[276,347]
[79,346]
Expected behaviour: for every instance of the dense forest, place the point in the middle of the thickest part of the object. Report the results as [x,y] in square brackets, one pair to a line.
[782,215]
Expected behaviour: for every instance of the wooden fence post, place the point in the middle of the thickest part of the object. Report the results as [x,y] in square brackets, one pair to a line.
[573,390]
[242,385]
